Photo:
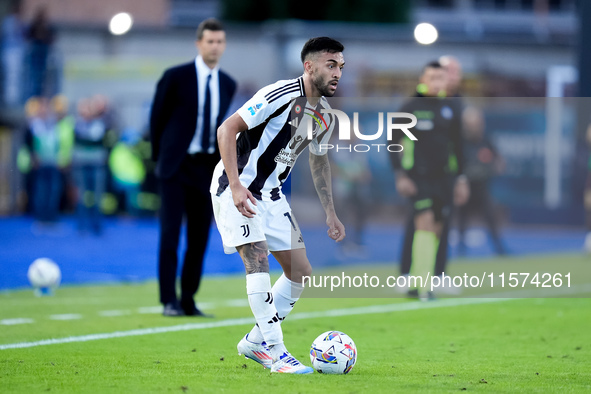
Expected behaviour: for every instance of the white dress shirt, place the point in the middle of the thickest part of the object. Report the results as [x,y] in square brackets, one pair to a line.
[203,72]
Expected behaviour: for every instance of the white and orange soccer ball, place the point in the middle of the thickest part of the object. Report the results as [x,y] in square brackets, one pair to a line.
[333,352]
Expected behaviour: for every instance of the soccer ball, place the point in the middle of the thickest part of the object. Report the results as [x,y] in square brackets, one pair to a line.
[44,273]
[333,352]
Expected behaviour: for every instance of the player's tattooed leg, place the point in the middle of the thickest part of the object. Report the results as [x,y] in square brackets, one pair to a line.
[254,256]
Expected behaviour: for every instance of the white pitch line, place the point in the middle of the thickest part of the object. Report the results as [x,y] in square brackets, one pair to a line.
[250,320]
[239,302]
[18,320]
[66,316]
[150,309]
[114,313]
[362,310]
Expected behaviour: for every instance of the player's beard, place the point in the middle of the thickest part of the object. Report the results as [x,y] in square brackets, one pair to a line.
[322,86]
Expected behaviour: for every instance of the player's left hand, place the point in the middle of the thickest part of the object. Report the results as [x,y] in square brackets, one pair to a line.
[336,230]
[461,191]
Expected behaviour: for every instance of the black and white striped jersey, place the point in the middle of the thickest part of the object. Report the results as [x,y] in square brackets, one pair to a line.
[279,119]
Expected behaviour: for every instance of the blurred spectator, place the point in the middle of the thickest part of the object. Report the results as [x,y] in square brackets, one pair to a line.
[40,35]
[13,52]
[351,187]
[588,197]
[65,127]
[65,131]
[482,162]
[89,160]
[43,141]
[127,167]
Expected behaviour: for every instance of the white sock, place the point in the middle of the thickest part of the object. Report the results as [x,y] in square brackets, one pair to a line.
[260,298]
[285,294]
[277,351]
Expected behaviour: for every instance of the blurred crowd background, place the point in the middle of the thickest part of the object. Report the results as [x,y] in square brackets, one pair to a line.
[77,85]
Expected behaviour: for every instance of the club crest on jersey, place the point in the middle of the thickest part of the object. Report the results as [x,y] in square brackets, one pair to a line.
[245,230]
[253,110]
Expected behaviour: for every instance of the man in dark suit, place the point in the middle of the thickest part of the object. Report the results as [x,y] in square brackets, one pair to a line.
[190,103]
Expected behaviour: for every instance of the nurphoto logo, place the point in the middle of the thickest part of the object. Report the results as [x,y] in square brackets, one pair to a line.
[392,130]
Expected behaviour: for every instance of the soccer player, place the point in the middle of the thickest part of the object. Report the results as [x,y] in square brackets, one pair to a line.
[429,170]
[259,145]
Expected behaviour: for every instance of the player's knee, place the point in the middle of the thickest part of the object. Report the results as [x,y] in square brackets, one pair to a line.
[425,221]
[307,271]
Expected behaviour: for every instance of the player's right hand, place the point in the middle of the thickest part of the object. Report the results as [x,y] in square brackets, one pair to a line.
[405,186]
[241,195]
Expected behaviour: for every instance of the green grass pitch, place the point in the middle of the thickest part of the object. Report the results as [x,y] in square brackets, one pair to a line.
[501,345]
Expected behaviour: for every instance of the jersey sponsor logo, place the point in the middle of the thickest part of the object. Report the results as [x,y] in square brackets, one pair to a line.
[245,230]
[253,110]
[285,157]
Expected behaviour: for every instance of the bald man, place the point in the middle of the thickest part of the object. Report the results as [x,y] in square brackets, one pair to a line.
[454,74]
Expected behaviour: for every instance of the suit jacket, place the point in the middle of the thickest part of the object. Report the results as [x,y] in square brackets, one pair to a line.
[173,118]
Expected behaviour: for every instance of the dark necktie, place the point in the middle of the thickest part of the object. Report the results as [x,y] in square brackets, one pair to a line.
[206,117]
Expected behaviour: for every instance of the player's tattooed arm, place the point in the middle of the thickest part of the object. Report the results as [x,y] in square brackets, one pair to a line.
[321,175]
[254,256]
[320,168]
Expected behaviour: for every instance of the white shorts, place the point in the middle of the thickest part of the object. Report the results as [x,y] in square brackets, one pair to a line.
[273,222]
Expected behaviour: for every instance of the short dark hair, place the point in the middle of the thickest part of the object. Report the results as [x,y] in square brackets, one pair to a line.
[432,64]
[209,24]
[321,44]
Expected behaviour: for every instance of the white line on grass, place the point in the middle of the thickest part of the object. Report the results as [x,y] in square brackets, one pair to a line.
[114,313]
[362,310]
[250,320]
[238,302]
[66,316]
[18,320]
[149,309]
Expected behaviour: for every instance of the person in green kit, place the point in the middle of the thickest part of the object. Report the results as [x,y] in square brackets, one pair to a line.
[429,170]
